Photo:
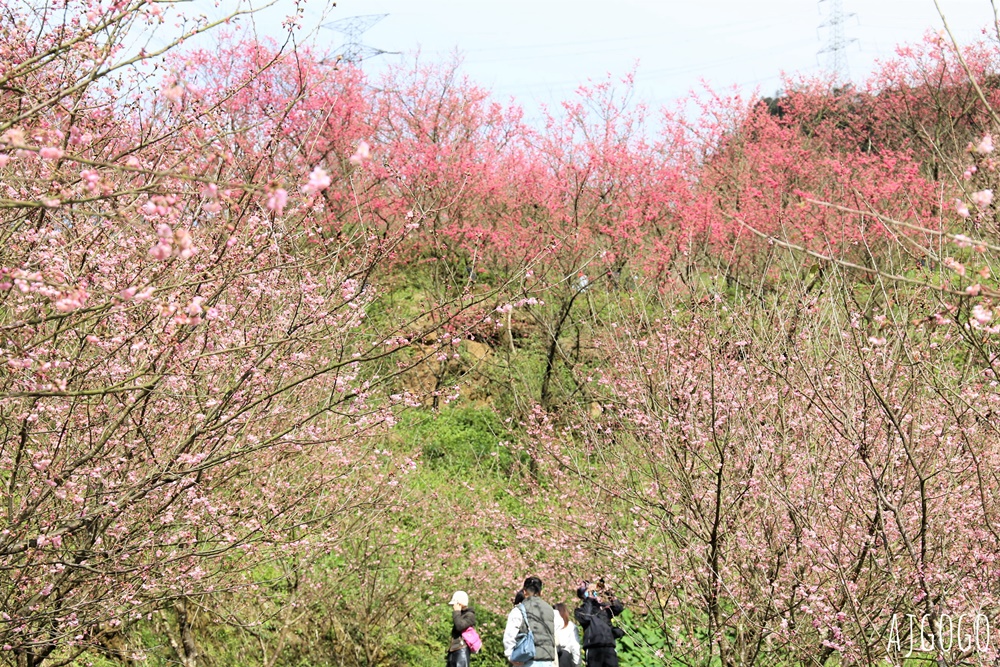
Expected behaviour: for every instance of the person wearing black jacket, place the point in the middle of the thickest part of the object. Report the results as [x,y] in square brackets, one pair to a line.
[599,634]
[462,618]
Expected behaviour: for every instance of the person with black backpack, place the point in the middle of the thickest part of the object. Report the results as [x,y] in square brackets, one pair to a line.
[599,633]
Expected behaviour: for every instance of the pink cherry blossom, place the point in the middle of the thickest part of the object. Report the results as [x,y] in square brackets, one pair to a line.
[145,293]
[174,94]
[982,198]
[161,250]
[985,144]
[13,137]
[276,200]
[71,301]
[78,138]
[194,308]
[981,315]
[185,244]
[954,265]
[361,155]
[90,178]
[318,180]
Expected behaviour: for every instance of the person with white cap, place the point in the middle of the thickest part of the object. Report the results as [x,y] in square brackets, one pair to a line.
[462,618]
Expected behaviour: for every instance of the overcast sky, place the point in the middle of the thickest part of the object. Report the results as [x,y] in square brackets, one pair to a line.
[539,51]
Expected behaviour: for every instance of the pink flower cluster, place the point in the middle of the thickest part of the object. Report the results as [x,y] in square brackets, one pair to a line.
[319,180]
[166,238]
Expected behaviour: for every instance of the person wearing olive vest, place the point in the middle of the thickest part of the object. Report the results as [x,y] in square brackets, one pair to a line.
[542,621]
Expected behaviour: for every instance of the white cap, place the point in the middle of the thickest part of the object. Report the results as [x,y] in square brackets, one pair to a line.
[460,597]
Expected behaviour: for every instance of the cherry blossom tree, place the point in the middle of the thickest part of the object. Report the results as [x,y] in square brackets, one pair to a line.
[191,389]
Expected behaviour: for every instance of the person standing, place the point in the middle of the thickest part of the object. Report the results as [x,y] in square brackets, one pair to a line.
[599,635]
[537,615]
[567,642]
[462,618]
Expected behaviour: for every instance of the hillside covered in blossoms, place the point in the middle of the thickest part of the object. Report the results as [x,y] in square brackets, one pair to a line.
[289,354]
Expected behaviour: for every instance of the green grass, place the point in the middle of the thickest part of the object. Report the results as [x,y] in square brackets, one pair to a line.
[460,440]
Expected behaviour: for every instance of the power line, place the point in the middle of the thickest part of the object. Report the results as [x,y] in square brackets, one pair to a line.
[644,76]
[742,27]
